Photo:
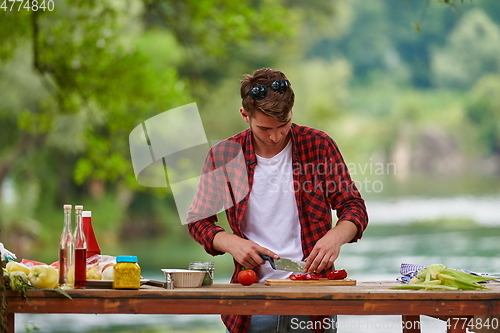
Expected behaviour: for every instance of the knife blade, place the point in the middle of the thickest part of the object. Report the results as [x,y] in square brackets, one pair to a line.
[285,264]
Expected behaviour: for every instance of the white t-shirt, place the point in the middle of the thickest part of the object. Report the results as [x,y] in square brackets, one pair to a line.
[271,219]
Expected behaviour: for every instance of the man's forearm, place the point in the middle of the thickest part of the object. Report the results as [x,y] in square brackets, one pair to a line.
[345,230]
[223,241]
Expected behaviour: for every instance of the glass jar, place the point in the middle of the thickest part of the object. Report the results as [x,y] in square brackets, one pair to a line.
[207,266]
[127,273]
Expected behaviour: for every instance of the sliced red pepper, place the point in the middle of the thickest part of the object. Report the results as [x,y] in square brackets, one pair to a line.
[336,274]
[308,276]
[312,277]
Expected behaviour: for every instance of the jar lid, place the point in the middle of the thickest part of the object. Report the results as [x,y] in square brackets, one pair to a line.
[202,263]
[126,258]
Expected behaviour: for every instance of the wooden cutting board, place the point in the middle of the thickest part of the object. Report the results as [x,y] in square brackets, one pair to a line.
[320,282]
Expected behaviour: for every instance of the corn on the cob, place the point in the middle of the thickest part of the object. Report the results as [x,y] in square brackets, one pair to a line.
[440,277]
[425,287]
[459,284]
[430,271]
[465,276]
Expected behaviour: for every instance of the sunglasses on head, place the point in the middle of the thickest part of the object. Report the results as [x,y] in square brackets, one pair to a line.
[260,92]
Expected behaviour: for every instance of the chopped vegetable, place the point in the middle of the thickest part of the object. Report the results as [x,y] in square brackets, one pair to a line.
[308,276]
[336,274]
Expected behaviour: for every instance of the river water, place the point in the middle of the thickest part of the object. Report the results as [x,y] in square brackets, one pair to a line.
[459,232]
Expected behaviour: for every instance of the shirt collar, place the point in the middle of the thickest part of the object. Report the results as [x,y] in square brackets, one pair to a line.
[250,157]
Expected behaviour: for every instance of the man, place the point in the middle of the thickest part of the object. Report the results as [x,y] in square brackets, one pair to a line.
[278,183]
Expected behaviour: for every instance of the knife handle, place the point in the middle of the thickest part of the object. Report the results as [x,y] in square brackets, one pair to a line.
[268,258]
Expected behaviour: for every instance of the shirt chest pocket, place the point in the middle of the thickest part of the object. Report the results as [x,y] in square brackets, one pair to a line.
[314,203]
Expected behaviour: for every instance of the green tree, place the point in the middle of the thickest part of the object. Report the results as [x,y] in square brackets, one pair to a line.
[76,80]
[472,49]
[484,112]
[396,38]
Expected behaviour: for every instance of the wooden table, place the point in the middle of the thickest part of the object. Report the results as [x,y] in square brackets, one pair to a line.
[366,298]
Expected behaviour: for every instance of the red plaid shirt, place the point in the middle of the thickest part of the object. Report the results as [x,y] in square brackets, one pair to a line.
[321,182]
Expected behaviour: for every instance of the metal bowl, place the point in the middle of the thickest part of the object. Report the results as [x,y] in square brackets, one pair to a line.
[184,278]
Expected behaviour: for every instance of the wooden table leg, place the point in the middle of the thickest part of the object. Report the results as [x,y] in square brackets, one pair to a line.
[410,324]
[10,322]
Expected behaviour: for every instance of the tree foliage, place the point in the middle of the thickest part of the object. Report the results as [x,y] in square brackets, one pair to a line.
[76,80]
[472,49]
[484,112]
[93,82]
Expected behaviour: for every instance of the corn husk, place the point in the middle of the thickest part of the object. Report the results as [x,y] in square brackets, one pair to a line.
[439,277]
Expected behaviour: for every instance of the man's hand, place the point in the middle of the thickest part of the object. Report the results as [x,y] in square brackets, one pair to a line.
[327,248]
[243,250]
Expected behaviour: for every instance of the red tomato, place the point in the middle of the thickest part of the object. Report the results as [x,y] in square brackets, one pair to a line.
[337,274]
[247,277]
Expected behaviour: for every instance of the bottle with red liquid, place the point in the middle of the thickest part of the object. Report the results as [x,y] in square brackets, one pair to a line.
[66,270]
[80,251]
[92,245]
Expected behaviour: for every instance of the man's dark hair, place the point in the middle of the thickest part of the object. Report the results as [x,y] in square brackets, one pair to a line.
[275,104]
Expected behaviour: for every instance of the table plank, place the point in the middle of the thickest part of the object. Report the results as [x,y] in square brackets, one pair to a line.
[365,298]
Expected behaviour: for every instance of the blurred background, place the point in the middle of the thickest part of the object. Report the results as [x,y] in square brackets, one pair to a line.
[407,88]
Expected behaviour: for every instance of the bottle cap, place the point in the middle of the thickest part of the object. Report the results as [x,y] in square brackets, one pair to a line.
[126,259]
[67,207]
[86,213]
[79,207]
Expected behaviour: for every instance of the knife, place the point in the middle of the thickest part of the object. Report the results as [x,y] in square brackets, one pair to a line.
[285,264]
[156,283]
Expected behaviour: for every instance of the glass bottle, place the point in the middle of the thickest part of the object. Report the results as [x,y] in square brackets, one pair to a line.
[80,251]
[66,272]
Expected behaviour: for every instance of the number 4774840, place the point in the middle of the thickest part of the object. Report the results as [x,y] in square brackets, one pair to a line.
[473,323]
[27,5]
